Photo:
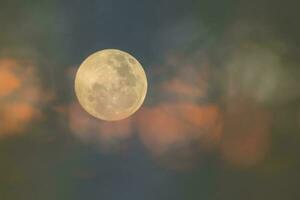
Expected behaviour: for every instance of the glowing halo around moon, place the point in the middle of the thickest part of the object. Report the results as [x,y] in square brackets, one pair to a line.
[111,85]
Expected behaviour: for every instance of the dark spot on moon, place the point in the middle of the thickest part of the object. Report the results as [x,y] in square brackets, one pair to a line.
[131,61]
[101,95]
[128,99]
[110,62]
[130,81]
[91,98]
[98,87]
[124,69]
[120,58]
[125,72]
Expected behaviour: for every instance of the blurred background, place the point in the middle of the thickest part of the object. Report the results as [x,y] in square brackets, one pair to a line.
[221,119]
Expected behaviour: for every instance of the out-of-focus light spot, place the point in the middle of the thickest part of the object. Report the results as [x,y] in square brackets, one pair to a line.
[167,125]
[21,96]
[8,80]
[16,116]
[247,126]
[254,72]
[91,130]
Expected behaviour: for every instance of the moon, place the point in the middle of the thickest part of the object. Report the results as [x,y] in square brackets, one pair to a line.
[111,85]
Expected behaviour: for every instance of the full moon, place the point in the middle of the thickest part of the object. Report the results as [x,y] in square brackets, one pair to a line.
[111,85]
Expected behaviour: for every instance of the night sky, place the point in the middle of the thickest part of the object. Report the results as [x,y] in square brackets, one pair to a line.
[221,119]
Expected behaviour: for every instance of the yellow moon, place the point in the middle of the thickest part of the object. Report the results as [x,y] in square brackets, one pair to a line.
[111,85]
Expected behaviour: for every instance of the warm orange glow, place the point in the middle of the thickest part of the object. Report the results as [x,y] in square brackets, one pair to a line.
[165,125]
[8,80]
[246,136]
[16,116]
[21,96]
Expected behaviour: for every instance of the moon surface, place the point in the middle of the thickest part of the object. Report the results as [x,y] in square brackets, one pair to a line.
[111,85]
